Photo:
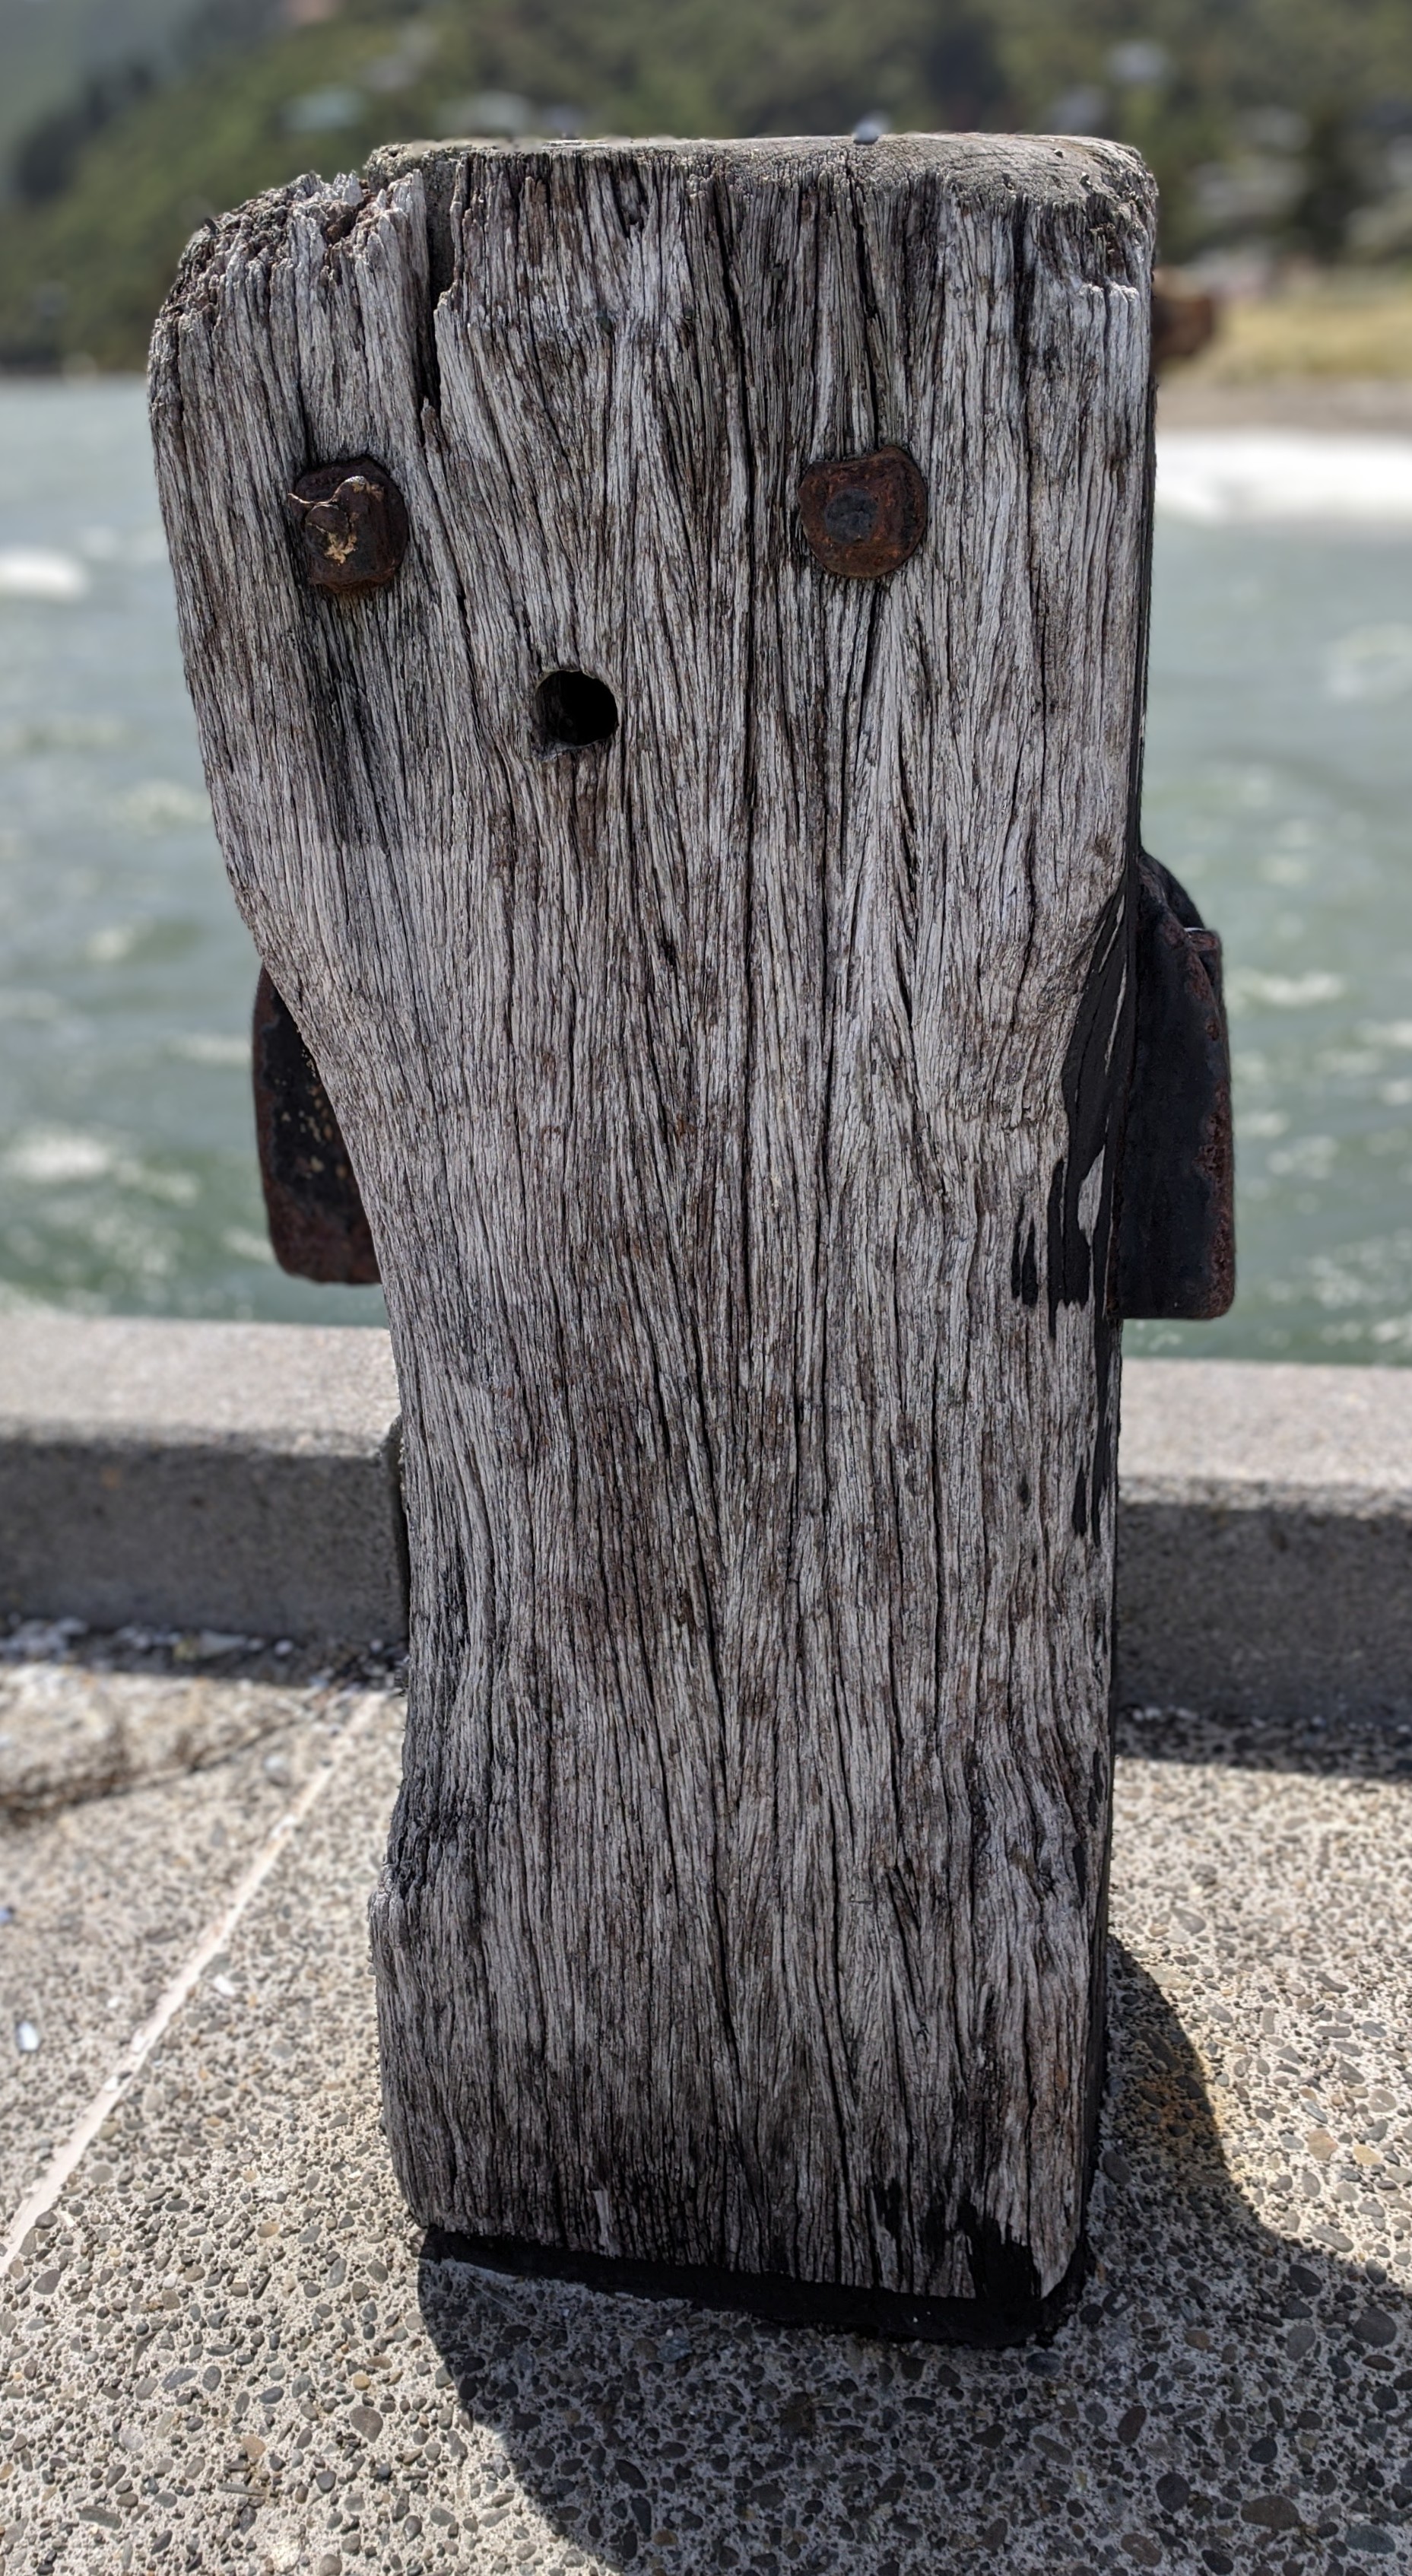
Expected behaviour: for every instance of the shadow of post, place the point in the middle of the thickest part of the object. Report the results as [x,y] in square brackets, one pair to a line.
[1222,2399]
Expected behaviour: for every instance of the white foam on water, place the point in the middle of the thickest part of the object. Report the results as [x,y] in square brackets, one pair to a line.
[1225,477]
[161,804]
[33,572]
[51,1157]
[1248,984]
[203,1046]
[110,946]
[1372,665]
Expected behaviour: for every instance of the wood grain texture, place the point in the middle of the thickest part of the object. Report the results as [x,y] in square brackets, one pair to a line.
[732,1104]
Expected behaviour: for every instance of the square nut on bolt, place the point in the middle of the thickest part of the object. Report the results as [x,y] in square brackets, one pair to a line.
[354,525]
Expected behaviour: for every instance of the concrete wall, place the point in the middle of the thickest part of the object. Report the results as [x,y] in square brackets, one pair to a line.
[232,1476]
[1265,1538]
[243,1477]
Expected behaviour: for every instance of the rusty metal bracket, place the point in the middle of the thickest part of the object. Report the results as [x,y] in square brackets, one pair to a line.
[1184,318]
[317,1225]
[1176,1183]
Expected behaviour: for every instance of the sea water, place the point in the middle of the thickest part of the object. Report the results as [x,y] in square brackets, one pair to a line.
[1279,787]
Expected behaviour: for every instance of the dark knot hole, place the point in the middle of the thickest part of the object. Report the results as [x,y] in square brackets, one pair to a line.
[575,710]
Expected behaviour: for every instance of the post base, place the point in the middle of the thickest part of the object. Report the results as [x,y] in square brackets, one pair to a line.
[1007,2317]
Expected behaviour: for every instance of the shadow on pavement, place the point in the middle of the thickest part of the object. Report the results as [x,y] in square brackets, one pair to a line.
[1222,2399]
[1350,1747]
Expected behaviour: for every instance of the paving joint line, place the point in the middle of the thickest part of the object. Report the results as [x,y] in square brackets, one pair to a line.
[64,2163]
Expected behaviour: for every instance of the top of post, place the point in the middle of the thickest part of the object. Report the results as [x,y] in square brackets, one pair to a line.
[1098,195]
[1058,167]
[1042,171]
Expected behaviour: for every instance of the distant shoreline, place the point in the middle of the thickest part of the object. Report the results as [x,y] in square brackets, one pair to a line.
[1369,403]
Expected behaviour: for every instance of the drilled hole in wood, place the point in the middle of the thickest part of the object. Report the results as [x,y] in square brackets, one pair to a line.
[575,710]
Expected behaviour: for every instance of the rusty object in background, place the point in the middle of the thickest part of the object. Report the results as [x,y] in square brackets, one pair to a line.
[1176,1185]
[864,515]
[1184,318]
[312,1202]
[354,525]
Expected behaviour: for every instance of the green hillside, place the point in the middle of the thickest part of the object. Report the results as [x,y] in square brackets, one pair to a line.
[1271,116]
[51,50]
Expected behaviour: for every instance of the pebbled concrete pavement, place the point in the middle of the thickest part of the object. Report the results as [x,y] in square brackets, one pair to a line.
[223,2353]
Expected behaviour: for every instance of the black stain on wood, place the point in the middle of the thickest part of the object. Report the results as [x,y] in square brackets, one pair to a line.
[1024,1267]
[1093,1088]
[1002,2269]
[1006,2309]
[1095,1072]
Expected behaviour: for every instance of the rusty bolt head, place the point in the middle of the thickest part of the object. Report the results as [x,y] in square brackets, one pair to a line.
[864,515]
[354,525]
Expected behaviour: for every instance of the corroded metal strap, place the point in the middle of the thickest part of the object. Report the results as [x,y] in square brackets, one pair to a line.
[317,1225]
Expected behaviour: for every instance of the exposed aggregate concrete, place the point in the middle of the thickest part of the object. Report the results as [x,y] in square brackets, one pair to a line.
[102,1897]
[66,1736]
[225,2355]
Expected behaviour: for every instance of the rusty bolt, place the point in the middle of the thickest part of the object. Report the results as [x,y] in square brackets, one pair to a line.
[354,524]
[864,515]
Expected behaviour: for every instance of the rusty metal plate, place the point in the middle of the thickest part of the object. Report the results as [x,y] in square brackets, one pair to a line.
[864,515]
[1184,319]
[318,1229]
[1176,1183]
[354,524]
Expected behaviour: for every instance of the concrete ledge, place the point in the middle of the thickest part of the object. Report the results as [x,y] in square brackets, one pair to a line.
[243,1476]
[1265,1539]
[231,1476]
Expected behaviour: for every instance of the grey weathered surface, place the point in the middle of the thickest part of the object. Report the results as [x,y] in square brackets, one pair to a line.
[730,1104]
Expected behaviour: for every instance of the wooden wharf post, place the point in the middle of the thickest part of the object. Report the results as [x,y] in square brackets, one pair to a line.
[666,623]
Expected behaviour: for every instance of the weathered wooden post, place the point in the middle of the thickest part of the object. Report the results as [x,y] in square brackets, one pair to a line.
[666,624]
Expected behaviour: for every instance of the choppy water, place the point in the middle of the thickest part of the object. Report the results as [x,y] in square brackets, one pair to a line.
[1279,771]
